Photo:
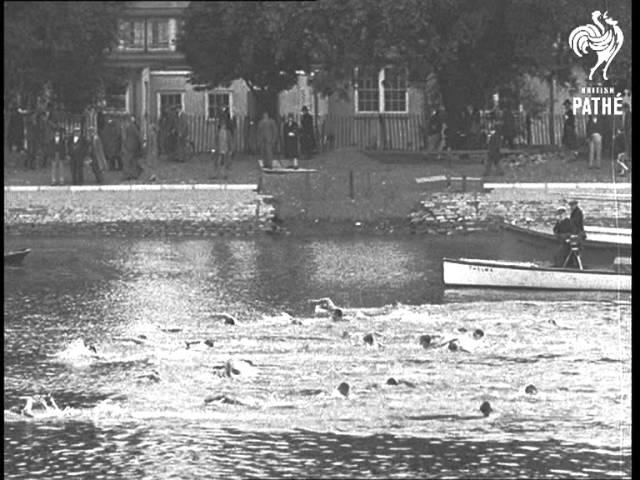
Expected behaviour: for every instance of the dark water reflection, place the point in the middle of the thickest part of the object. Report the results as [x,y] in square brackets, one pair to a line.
[574,347]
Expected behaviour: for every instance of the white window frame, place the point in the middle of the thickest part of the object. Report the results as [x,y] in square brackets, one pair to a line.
[148,37]
[381,97]
[130,48]
[215,91]
[168,92]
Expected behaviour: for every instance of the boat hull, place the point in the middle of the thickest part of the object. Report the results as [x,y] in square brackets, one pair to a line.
[15,258]
[496,274]
[600,248]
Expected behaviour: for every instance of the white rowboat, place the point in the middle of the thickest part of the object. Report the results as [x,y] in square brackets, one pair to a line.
[499,274]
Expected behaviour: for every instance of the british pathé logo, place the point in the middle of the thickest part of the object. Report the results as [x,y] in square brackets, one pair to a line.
[604,37]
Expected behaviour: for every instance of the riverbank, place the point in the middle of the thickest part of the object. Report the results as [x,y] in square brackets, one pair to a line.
[182,210]
[350,192]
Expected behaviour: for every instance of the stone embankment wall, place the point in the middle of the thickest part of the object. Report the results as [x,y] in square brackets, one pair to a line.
[449,212]
[139,213]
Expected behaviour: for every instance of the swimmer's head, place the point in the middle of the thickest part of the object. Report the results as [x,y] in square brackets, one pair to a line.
[392,381]
[368,339]
[454,346]
[336,314]
[478,334]
[462,330]
[229,321]
[531,389]
[425,340]
[344,388]
[486,409]
[209,343]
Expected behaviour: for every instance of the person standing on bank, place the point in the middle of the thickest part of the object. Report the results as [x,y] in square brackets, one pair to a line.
[224,150]
[78,151]
[59,154]
[307,139]
[595,132]
[267,138]
[291,139]
[494,144]
[435,130]
[112,145]
[182,132]
[569,130]
[131,150]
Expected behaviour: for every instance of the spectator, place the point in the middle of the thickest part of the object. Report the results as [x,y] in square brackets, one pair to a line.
[267,138]
[112,144]
[163,131]
[78,151]
[569,139]
[594,137]
[48,129]
[291,138]
[94,152]
[493,154]
[435,130]
[131,150]
[16,128]
[59,154]
[509,130]
[182,135]
[224,150]
[307,138]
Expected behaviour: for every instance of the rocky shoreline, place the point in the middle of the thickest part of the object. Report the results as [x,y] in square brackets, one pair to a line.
[137,213]
[211,213]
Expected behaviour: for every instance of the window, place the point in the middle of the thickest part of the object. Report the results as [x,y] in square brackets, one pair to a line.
[382,91]
[158,34]
[116,98]
[395,90]
[367,91]
[167,101]
[131,34]
[216,101]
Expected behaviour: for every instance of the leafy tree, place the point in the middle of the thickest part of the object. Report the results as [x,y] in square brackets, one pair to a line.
[61,44]
[255,41]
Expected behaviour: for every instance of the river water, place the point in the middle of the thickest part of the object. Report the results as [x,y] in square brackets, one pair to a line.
[575,348]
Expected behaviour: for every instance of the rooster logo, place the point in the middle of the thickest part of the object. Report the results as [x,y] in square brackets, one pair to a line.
[605,40]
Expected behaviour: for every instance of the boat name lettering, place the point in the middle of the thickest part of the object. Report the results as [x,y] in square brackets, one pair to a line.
[481,269]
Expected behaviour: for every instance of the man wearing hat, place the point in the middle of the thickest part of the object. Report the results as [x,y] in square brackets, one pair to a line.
[78,151]
[577,219]
[569,131]
[563,229]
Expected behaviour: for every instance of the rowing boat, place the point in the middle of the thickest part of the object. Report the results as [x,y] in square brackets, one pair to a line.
[468,272]
[15,258]
[601,246]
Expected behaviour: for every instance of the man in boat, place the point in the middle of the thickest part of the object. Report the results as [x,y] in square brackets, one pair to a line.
[577,219]
[564,230]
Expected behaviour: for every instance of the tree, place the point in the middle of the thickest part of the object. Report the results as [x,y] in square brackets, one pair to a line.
[61,44]
[258,42]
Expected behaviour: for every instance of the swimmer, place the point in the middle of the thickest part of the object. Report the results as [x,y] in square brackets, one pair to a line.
[199,345]
[153,376]
[139,340]
[486,409]
[327,305]
[430,341]
[370,339]
[392,381]
[343,390]
[337,315]
[228,319]
[235,367]
[531,390]
[222,399]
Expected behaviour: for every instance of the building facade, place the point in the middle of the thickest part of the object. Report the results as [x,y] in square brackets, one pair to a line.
[154,74]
